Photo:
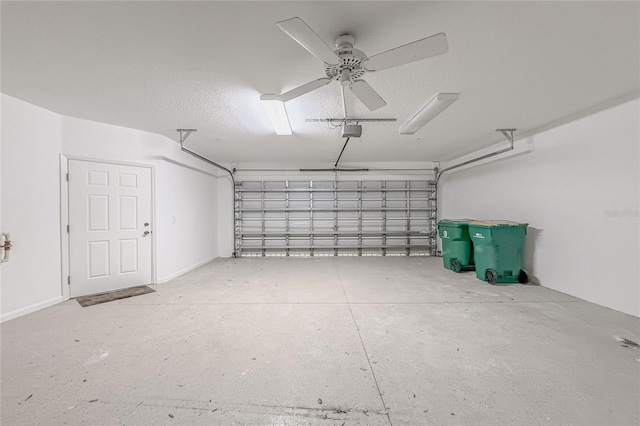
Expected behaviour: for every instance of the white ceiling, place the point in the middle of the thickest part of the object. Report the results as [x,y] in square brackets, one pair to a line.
[159,66]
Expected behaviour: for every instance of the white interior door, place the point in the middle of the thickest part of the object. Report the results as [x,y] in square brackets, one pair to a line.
[109,227]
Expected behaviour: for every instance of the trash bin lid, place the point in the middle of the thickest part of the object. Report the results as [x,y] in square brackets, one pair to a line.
[496,223]
[454,222]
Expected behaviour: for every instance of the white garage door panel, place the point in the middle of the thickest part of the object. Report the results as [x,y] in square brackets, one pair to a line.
[109,213]
[328,218]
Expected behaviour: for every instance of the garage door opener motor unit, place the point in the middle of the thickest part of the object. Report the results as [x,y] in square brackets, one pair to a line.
[351,131]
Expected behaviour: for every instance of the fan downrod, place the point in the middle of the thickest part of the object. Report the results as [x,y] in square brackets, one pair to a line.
[345,41]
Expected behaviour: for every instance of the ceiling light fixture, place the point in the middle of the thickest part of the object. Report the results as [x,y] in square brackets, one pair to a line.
[277,114]
[435,106]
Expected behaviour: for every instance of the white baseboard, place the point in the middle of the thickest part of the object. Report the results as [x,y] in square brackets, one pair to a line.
[184,271]
[31,308]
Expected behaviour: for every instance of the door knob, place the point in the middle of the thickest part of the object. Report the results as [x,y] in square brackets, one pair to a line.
[145,233]
[146,224]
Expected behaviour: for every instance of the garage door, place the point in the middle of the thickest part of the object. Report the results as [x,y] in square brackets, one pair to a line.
[335,218]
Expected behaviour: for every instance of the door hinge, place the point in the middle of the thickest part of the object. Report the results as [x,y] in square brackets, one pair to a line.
[67,229]
[69,279]
[67,177]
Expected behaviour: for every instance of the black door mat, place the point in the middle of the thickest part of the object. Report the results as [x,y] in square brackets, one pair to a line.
[110,296]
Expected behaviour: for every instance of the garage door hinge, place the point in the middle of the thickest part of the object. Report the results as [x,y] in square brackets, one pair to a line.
[68,279]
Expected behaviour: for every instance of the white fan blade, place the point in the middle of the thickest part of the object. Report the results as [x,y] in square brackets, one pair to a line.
[301,90]
[298,30]
[411,52]
[369,97]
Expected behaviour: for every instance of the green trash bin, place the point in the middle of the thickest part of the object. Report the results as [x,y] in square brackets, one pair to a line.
[498,247]
[457,248]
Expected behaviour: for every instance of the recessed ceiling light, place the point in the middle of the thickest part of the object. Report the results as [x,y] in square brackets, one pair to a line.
[277,114]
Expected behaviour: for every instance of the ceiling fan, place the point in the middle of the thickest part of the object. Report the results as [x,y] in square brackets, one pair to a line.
[347,65]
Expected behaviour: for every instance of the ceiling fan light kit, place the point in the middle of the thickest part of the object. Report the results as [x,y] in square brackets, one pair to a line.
[277,114]
[347,64]
[435,106]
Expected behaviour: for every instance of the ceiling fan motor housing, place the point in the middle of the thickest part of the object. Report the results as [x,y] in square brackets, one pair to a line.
[350,59]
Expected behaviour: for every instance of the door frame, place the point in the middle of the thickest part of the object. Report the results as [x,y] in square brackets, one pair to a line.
[64,216]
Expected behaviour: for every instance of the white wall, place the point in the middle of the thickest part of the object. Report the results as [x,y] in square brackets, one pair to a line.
[30,148]
[578,188]
[0,200]
[33,139]
[225,216]
[186,219]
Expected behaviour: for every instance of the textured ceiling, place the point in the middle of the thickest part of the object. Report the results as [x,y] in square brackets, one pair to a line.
[159,66]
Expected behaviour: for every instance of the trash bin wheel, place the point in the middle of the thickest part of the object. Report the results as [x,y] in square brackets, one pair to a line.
[523,278]
[455,265]
[491,276]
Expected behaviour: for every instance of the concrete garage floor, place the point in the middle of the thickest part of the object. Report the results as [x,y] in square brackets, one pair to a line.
[328,341]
